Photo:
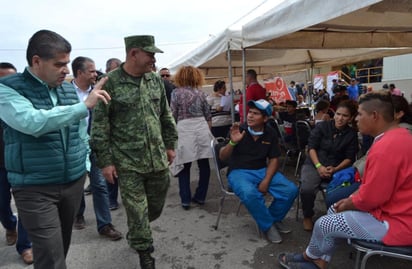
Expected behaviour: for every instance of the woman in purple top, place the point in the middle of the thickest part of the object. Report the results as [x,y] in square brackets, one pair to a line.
[193,118]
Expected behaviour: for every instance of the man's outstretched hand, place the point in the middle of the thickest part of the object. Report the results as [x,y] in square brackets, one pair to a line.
[97,94]
[235,134]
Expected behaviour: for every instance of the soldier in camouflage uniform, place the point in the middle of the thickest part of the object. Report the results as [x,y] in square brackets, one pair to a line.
[134,137]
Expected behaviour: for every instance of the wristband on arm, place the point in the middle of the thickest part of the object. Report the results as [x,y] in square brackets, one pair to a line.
[232,143]
[318,165]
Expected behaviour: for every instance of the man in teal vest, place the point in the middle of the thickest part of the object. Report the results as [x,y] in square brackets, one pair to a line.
[44,131]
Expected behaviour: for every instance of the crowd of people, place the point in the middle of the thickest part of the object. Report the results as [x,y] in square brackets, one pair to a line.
[132,127]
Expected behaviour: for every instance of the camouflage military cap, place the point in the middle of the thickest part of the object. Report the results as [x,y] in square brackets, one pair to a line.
[144,42]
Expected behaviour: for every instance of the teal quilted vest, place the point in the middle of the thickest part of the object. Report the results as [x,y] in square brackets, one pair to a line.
[41,160]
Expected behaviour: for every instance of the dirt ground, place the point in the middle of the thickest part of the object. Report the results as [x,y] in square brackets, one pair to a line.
[187,239]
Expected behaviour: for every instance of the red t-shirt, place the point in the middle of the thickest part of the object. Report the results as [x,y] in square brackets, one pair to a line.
[253,92]
[386,189]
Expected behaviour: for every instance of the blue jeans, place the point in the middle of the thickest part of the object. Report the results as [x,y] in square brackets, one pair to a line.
[245,184]
[184,182]
[340,194]
[7,219]
[100,196]
[113,192]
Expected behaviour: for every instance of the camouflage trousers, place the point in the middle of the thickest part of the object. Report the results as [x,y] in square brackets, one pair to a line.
[143,197]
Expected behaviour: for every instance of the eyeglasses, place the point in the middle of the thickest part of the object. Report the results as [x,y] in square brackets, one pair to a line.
[165,75]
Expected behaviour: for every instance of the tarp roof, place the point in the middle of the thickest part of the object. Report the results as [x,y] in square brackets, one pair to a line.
[329,24]
[298,33]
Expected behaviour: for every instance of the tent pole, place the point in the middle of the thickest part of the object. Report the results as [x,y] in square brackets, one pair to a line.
[310,89]
[232,94]
[244,84]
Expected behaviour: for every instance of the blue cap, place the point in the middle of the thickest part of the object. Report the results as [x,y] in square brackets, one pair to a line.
[264,106]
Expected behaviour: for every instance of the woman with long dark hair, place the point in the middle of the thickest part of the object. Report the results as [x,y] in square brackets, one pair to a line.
[332,146]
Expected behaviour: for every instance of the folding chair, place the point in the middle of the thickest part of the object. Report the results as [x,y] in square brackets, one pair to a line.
[216,144]
[373,248]
[279,133]
[303,130]
[288,148]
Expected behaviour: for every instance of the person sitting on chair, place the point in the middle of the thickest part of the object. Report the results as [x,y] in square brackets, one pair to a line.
[403,117]
[253,157]
[381,210]
[332,146]
[289,118]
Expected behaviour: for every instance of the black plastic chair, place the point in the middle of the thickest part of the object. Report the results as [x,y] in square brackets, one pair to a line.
[303,130]
[373,248]
[289,149]
[279,133]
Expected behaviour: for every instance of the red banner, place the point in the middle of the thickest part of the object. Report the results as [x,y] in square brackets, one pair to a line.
[278,90]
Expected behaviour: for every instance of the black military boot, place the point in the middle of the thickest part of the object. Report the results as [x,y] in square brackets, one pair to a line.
[146,260]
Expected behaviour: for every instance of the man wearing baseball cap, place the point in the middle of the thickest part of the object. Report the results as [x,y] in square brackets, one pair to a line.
[134,138]
[253,154]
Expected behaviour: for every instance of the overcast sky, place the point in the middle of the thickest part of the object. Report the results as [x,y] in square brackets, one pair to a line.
[96,28]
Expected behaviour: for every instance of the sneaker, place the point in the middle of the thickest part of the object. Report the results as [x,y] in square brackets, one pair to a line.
[146,260]
[308,224]
[88,190]
[11,237]
[110,232]
[79,223]
[273,235]
[282,228]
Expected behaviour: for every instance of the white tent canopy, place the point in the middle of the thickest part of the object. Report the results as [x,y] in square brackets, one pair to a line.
[212,51]
[299,34]
[331,24]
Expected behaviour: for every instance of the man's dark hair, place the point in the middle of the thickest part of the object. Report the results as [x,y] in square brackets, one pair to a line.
[380,101]
[292,103]
[341,89]
[218,85]
[46,44]
[5,65]
[321,105]
[252,73]
[110,61]
[164,68]
[80,64]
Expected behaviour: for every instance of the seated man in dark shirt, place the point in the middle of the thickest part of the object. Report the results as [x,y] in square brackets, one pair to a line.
[288,119]
[253,153]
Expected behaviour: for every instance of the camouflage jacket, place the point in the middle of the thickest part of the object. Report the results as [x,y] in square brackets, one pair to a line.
[134,130]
